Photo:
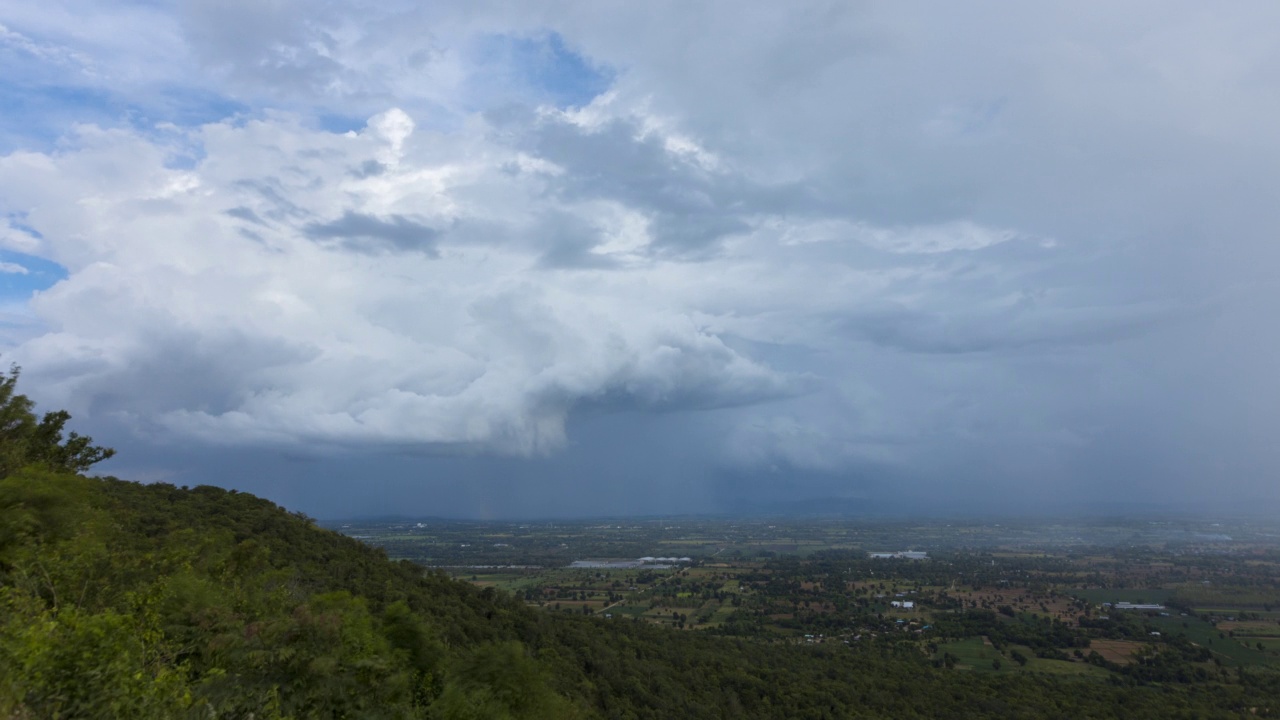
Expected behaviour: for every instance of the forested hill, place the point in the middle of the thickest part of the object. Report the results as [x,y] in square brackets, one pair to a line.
[128,600]
[121,600]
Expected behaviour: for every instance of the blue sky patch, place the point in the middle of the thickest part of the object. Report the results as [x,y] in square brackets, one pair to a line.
[36,116]
[539,69]
[338,124]
[41,274]
[186,108]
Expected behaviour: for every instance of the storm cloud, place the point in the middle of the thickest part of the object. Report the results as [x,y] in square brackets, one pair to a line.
[579,258]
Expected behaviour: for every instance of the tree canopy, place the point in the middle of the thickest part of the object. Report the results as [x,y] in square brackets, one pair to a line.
[27,440]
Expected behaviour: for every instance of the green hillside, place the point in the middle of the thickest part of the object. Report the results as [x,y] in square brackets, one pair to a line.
[122,600]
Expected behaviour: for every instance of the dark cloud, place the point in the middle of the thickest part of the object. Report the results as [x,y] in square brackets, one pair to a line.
[692,208]
[367,233]
[566,241]
[594,258]
[246,214]
[183,371]
[1007,329]
[368,169]
[274,194]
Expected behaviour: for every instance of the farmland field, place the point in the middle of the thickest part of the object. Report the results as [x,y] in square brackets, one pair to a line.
[984,598]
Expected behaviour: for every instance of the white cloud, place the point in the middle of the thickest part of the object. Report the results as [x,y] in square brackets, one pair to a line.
[389,286]
[45,52]
[202,301]
[900,227]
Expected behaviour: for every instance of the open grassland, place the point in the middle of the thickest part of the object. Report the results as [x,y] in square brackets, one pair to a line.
[1098,596]
[1053,667]
[971,654]
[975,654]
[1228,612]
[1230,651]
[1251,628]
[1120,652]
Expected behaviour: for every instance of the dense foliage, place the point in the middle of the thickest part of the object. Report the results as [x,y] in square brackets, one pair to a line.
[26,439]
[124,600]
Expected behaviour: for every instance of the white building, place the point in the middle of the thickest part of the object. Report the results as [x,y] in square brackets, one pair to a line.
[900,554]
[1140,606]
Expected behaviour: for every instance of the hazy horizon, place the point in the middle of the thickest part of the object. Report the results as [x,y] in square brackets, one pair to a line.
[964,517]
[566,259]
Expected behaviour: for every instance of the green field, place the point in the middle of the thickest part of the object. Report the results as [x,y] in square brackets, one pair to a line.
[791,580]
[1113,595]
[1225,611]
[973,654]
[1271,644]
[1059,667]
[1227,649]
[627,610]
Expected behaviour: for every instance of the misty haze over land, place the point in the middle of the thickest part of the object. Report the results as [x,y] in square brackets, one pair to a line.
[572,259]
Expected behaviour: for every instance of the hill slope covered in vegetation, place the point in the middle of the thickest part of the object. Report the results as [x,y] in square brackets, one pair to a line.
[151,601]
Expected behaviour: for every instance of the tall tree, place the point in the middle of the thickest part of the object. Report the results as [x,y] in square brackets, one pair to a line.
[26,439]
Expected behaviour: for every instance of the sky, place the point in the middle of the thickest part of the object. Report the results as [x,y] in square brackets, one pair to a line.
[557,259]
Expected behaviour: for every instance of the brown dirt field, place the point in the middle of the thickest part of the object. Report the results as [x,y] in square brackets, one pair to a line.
[1255,628]
[1117,651]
